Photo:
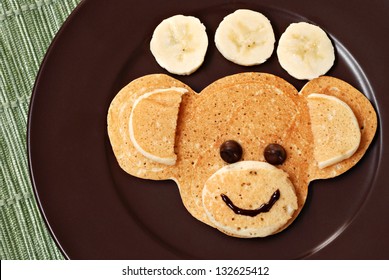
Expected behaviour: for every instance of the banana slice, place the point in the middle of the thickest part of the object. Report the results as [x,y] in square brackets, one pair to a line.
[179,44]
[305,51]
[245,37]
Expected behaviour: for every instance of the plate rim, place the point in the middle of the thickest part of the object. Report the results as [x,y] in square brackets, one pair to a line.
[37,81]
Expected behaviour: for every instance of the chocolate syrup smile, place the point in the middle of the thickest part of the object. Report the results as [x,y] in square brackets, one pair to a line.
[252,212]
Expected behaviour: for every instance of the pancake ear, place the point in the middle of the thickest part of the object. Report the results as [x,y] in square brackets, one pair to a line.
[343,123]
[335,129]
[142,120]
[153,122]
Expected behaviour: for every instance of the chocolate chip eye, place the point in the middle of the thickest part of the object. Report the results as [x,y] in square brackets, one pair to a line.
[275,154]
[231,151]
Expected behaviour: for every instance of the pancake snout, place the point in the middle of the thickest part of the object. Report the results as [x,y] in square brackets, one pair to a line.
[249,199]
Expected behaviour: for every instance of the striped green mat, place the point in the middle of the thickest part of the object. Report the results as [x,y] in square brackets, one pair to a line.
[26,29]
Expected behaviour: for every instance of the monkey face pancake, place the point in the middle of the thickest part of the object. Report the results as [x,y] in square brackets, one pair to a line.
[244,150]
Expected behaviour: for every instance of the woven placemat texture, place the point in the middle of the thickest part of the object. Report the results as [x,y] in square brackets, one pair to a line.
[26,29]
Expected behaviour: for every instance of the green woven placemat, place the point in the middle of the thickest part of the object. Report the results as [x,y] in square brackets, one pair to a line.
[26,29]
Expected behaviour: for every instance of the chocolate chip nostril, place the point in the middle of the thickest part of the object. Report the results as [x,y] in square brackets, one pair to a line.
[275,154]
[231,151]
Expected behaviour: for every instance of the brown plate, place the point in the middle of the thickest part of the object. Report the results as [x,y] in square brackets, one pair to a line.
[96,211]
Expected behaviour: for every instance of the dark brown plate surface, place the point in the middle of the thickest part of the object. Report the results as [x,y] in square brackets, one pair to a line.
[96,211]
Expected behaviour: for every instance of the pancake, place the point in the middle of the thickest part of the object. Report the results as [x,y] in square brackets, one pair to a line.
[128,156]
[334,141]
[264,196]
[154,116]
[254,110]
[364,113]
